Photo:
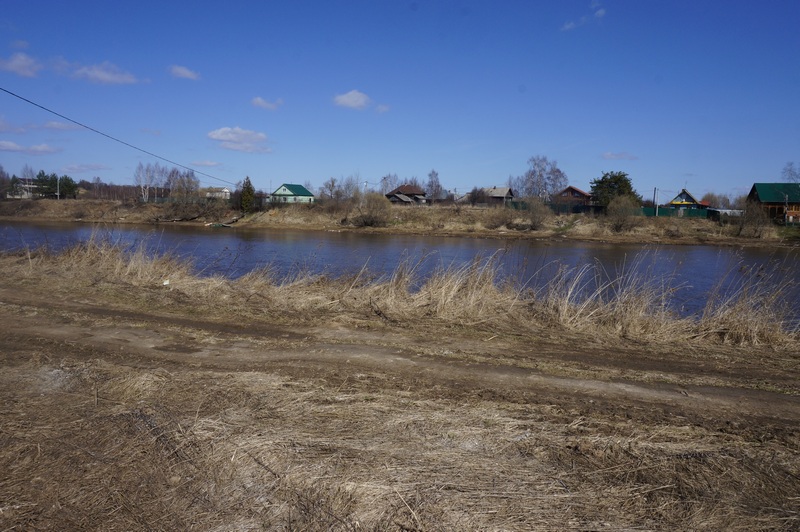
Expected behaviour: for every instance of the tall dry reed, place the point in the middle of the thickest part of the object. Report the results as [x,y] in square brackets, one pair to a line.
[633,303]
[749,306]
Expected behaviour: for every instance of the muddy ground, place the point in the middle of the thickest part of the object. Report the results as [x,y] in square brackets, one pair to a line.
[119,415]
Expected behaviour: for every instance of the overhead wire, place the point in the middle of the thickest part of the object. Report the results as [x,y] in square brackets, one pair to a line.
[115,139]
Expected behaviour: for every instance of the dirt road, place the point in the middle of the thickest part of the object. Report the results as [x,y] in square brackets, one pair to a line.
[118,417]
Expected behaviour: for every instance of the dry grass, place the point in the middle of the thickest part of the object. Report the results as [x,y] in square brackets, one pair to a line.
[144,450]
[749,309]
[104,440]
[625,305]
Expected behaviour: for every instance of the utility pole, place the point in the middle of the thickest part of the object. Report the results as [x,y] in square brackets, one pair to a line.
[655,200]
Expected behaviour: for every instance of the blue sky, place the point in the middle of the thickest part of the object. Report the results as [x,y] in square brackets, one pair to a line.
[695,94]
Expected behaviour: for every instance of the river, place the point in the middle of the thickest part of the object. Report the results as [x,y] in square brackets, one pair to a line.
[231,252]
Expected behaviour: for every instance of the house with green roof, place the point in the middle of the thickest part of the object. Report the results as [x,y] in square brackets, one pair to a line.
[781,201]
[288,193]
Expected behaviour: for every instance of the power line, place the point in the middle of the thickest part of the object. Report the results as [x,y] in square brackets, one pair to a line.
[113,138]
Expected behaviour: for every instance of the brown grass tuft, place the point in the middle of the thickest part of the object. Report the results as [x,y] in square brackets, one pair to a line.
[626,305]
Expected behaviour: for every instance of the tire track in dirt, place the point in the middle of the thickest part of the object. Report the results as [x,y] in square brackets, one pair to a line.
[148,338]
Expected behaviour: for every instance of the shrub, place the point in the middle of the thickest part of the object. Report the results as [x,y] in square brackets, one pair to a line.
[373,211]
[538,213]
[497,218]
[623,213]
[755,223]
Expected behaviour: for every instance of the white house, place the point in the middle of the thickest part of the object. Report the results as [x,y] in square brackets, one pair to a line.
[288,193]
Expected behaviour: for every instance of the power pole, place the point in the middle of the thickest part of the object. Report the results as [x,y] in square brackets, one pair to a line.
[655,200]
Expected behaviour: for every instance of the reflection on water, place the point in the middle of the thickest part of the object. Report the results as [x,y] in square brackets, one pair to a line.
[233,252]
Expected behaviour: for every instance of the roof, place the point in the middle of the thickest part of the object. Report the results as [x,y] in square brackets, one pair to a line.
[407,190]
[402,197]
[296,190]
[576,189]
[775,192]
[684,198]
[498,192]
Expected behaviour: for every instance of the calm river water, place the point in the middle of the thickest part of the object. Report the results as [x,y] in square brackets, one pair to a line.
[232,252]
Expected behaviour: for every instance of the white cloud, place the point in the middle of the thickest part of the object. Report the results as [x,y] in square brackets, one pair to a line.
[597,10]
[182,72]
[571,25]
[207,164]
[39,149]
[21,64]
[52,125]
[5,127]
[353,99]
[258,101]
[382,108]
[106,73]
[82,168]
[60,126]
[238,139]
[621,156]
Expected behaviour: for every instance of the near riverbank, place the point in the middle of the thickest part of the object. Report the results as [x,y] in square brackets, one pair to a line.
[141,396]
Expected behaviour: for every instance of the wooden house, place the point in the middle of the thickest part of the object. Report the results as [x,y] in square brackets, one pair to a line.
[684,200]
[407,195]
[498,195]
[781,201]
[572,200]
[573,196]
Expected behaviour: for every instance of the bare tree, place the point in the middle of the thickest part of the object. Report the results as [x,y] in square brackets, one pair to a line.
[28,174]
[388,183]
[542,180]
[717,201]
[433,187]
[143,179]
[351,187]
[790,173]
[414,182]
[182,185]
[148,177]
[331,189]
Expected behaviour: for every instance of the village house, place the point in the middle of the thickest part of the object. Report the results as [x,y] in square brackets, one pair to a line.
[498,195]
[218,193]
[780,201]
[573,196]
[289,193]
[684,200]
[22,191]
[407,195]
[572,200]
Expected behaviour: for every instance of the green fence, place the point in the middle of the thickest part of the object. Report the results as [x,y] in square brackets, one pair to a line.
[675,213]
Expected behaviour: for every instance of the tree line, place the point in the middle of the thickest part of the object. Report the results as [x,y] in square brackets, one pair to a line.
[539,183]
[151,183]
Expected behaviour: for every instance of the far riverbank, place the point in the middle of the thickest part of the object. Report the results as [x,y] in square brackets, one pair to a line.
[446,221]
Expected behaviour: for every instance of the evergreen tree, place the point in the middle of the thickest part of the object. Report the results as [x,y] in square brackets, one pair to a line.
[248,197]
[611,185]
